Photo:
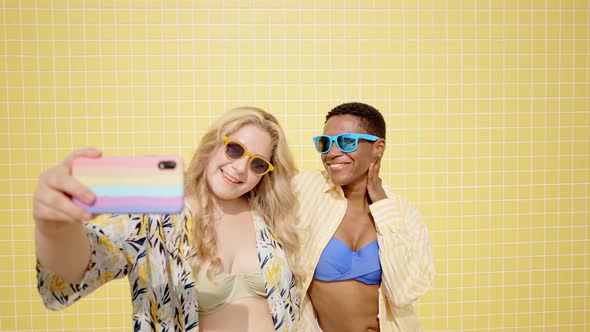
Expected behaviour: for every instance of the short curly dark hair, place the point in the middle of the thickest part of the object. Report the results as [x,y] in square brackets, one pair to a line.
[371,118]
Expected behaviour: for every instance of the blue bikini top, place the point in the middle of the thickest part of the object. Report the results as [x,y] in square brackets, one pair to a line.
[339,262]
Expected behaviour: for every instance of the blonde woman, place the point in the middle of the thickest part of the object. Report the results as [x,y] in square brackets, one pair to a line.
[220,265]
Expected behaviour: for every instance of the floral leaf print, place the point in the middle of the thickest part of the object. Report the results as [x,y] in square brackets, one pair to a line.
[136,290]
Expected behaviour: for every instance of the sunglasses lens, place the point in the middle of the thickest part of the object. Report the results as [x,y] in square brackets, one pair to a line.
[234,150]
[346,144]
[259,166]
[323,144]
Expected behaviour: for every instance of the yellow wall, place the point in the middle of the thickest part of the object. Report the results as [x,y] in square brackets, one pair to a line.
[486,102]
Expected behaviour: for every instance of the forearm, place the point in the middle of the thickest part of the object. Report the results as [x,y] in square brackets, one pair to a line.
[63,249]
[405,251]
[408,272]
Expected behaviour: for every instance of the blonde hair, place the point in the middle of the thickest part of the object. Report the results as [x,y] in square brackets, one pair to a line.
[273,197]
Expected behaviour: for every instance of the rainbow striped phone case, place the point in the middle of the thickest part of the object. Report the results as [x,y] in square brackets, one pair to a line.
[150,184]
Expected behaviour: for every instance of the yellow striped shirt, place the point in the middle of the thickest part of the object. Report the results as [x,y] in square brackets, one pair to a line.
[404,249]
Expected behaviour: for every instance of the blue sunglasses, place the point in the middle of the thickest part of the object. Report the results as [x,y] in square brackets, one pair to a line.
[347,142]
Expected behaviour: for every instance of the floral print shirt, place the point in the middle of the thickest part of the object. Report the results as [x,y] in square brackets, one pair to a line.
[153,252]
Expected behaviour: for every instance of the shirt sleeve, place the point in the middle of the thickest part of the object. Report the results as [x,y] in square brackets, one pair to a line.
[405,250]
[114,246]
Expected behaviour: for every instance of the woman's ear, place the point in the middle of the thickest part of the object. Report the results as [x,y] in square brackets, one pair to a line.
[379,148]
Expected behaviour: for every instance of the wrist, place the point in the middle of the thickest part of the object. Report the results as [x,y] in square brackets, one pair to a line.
[377,198]
[53,228]
[377,194]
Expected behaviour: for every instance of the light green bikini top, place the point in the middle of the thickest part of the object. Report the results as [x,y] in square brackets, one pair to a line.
[224,288]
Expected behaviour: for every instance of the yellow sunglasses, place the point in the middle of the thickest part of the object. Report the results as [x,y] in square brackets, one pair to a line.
[235,150]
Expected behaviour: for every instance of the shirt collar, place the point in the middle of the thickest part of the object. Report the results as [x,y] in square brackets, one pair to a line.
[329,185]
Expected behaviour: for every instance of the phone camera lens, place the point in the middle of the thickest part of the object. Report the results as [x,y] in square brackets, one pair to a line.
[167,165]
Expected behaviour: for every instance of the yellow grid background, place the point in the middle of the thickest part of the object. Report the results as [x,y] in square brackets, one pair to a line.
[486,102]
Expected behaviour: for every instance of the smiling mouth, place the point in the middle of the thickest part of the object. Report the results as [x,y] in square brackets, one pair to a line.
[337,166]
[230,178]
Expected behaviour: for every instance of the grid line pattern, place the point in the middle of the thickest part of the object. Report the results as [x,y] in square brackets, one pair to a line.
[486,103]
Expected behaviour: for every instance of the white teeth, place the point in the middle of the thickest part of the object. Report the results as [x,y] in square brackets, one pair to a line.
[337,165]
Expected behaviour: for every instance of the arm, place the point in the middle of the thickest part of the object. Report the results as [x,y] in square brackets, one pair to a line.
[73,258]
[63,249]
[404,245]
[405,251]
[114,246]
[60,240]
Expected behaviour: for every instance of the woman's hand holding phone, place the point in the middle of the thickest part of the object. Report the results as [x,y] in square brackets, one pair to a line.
[52,200]
[86,184]
[60,240]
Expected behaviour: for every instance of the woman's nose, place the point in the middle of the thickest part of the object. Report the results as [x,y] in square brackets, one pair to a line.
[334,150]
[241,165]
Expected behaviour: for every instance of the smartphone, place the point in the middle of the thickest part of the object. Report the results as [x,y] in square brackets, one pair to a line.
[143,184]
